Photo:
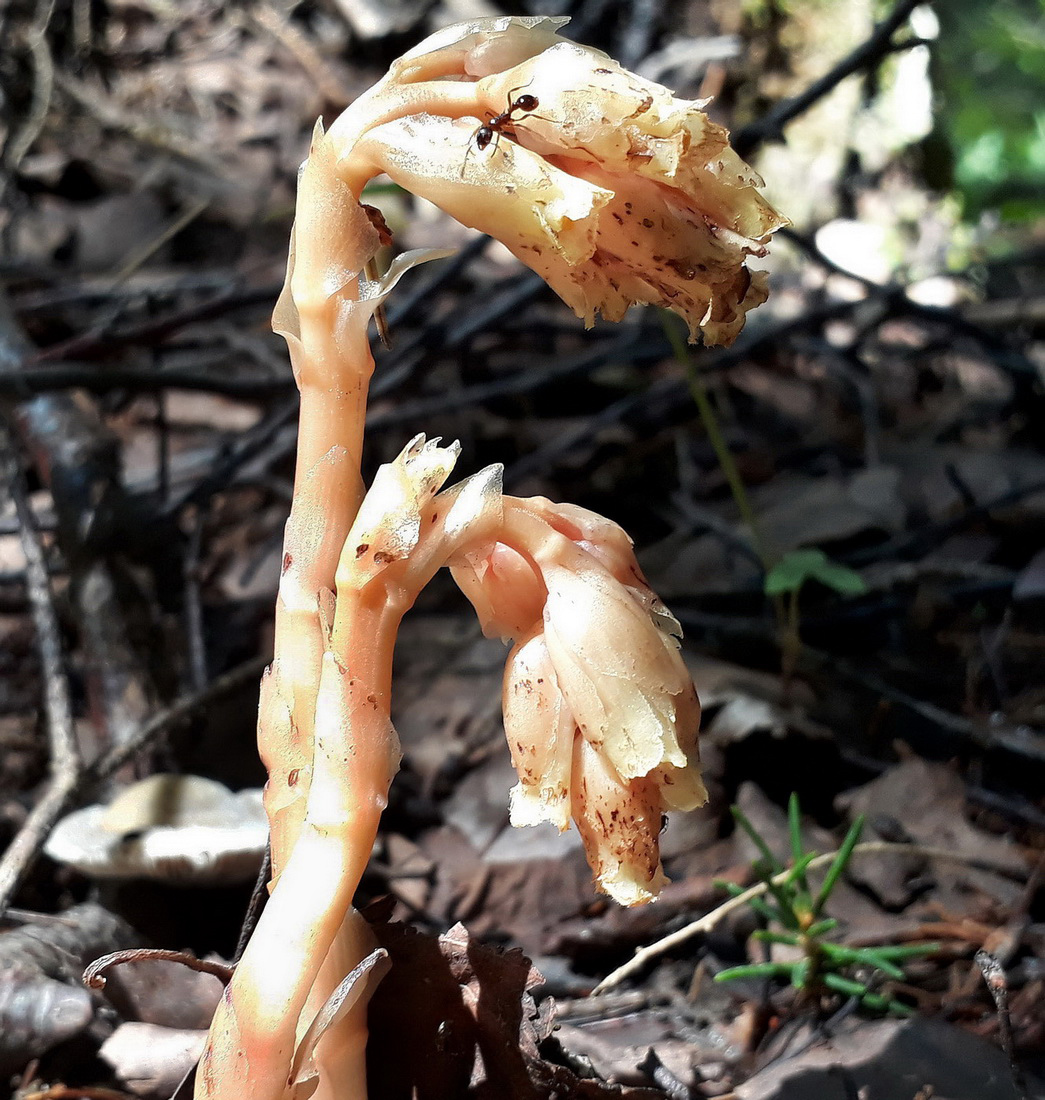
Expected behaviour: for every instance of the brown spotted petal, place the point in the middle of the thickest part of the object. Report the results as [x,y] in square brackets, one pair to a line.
[620,824]
[600,711]
[625,681]
[686,212]
[612,547]
[540,729]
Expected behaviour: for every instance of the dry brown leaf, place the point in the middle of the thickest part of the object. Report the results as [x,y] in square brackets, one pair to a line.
[473,1026]
[928,802]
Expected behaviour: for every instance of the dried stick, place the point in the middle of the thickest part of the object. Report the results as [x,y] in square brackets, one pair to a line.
[65,763]
[654,950]
[94,976]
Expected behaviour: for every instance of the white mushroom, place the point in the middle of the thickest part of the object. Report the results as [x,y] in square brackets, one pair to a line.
[150,1060]
[174,828]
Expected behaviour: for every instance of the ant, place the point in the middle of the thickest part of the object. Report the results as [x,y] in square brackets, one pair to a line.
[504,123]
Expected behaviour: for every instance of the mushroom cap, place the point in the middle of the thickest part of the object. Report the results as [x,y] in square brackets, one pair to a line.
[181,829]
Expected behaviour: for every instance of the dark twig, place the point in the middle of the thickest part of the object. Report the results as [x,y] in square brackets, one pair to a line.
[628,344]
[177,712]
[670,393]
[94,975]
[505,301]
[922,539]
[152,331]
[196,643]
[96,379]
[21,139]
[1019,740]
[258,897]
[250,444]
[871,51]
[998,984]
[65,763]
[420,292]
[901,304]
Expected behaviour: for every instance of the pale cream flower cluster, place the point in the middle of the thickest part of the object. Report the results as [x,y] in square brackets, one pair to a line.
[599,709]
[610,188]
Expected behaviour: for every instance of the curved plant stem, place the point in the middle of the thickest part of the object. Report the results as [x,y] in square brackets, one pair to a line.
[718,442]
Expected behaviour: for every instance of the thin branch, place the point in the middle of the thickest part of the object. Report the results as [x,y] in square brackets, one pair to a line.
[1020,740]
[65,762]
[94,976]
[871,51]
[43,87]
[97,379]
[178,712]
[102,340]
[998,984]
[645,955]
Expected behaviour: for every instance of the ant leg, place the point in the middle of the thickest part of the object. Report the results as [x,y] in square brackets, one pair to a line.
[468,150]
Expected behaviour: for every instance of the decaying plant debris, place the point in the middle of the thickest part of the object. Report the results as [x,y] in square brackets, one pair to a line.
[152,168]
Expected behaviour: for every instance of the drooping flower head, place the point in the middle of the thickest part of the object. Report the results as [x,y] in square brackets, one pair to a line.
[601,181]
[599,709]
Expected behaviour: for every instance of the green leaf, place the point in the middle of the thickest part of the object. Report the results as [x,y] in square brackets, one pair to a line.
[800,974]
[769,913]
[839,953]
[871,957]
[755,970]
[763,935]
[793,570]
[842,579]
[841,860]
[821,927]
[742,820]
[794,827]
[853,956]
[907,951]
[797,874]
[881,1003]
[798,566]
[731,888]
[846,985]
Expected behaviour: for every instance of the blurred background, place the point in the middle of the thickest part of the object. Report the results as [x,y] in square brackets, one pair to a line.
[846,509]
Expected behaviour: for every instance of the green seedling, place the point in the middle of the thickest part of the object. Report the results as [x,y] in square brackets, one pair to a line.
[794,915]
[783,585]
[796,567]
[784,575]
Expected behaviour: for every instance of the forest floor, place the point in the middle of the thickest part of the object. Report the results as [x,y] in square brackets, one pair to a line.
[887,412]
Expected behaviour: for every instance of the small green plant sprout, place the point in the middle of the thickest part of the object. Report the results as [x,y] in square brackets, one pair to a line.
[784,581]
[794,916]
[791,572]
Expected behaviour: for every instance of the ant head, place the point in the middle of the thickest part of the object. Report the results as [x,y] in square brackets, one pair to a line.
[526,103]
[483,137]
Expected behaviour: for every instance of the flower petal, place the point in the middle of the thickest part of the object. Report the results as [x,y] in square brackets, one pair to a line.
[622,682]
[540,731]
[620,826]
